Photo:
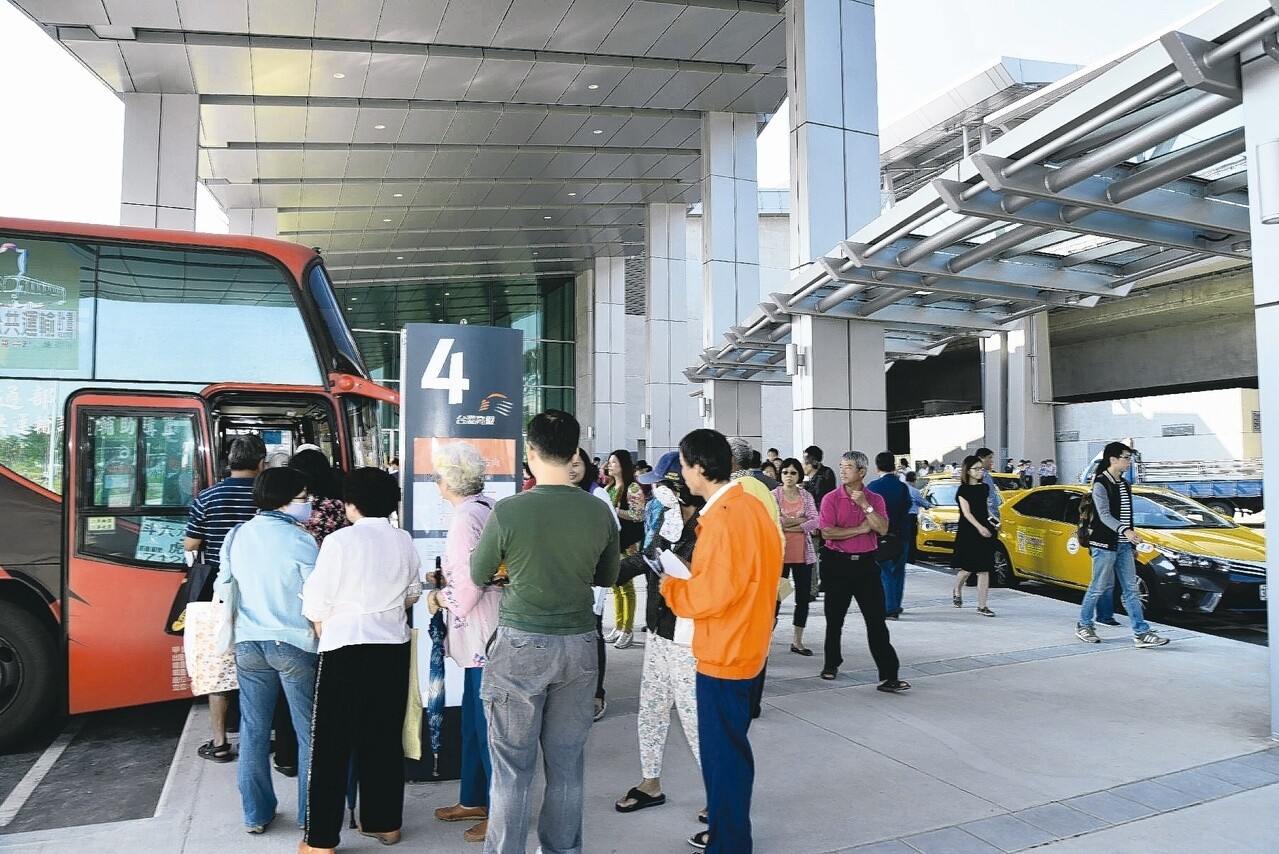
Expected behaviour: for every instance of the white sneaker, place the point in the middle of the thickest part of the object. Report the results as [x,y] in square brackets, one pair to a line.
[624,640]
[611,635]
[1147,640]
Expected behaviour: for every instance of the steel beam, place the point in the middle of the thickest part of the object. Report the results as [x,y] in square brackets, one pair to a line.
[856,279]
[1103,223]
[911,317]
[1091,194]
[1022,277]
[1177,165]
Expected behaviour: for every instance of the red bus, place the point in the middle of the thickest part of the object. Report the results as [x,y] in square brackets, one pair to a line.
[129,360]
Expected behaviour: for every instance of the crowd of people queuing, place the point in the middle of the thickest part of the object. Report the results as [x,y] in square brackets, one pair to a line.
[321,583]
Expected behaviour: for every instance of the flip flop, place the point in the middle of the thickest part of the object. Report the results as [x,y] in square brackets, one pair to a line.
[828,674]
[642,800]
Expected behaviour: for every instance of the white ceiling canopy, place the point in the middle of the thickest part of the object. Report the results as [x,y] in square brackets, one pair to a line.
[484,135]
[1134,177]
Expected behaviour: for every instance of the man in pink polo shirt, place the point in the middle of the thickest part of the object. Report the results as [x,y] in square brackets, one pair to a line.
[851,520]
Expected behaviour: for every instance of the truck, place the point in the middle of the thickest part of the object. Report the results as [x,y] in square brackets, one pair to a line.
[1205,445]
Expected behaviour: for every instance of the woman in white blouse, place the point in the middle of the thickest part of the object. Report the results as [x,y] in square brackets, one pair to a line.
[364,579]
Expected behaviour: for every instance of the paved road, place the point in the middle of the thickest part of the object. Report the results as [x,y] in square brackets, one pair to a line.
[106,766]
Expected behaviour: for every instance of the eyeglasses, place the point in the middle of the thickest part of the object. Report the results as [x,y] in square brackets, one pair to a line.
[790,472]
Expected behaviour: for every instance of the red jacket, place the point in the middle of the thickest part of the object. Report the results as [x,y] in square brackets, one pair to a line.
[732,594]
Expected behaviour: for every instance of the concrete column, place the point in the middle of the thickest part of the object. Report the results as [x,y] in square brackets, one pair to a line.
[994,395]
[730,223]
[1016,388]
[839,397]
[735,409]
[834,136]
[161,138]
[1031,419]
[671,309]
[601,395]
[1261,125]
[259,222]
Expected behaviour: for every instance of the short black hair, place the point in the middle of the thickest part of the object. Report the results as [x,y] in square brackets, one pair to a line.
[911,477]
[708,449]
[813,453]
[885,462]
[554,433]
[756,459]
[276,487]
[773,451]
[374,492]
[247,453]
[321,479]
[982,453]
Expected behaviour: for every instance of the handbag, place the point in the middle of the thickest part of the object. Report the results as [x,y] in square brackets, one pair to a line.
[889,547]
[630,533]
[210,659]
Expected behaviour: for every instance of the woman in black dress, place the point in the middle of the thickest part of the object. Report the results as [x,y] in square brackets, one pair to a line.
[975,539]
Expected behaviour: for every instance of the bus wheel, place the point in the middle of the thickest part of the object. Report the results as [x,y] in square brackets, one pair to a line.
[28,674]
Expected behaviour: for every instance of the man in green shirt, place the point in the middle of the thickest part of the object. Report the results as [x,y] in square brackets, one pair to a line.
[556,541]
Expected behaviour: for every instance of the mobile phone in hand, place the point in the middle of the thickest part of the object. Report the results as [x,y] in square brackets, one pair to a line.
[994,523]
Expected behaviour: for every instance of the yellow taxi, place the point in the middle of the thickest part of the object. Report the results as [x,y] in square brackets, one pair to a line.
[1192,561]
[935,536]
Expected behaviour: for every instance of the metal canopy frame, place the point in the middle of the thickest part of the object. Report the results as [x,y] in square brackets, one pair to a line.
[1137,173]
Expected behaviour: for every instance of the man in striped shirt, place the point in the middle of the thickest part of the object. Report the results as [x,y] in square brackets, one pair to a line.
[214,512]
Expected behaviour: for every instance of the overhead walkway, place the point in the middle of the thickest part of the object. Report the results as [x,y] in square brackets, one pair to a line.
[1137,177]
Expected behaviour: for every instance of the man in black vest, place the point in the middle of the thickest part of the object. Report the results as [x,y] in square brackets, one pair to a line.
[1113,542]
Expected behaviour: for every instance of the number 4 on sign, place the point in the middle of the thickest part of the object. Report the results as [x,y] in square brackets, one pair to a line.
[456,382]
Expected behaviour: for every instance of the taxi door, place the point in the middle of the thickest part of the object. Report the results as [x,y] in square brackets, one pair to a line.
[1037,541]
[1075,563]
[135,462]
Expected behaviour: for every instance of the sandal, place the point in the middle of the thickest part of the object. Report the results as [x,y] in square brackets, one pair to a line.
[800,650]
[829,674]
[700,839]
[892,686]
[216,752]
[642,800]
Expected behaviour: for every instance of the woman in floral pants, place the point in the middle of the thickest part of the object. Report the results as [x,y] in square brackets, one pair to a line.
[669,674]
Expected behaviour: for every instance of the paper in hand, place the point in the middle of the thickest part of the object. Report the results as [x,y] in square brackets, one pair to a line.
[673,566]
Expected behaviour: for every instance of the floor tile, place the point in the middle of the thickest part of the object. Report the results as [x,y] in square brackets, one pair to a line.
[1202,786]
[1109,807]
[1239,773]
[1007,833]
[949,840]
[1060,820]
[1155,796]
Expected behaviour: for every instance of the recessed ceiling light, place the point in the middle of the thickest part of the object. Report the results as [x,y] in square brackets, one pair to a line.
[572,194]
[353,299]
[593,86]
[386,219]
[379,127]
[597,131]
[546,217]
[398,195]
[338,75]
[437,303]
[534,253]
[399,257]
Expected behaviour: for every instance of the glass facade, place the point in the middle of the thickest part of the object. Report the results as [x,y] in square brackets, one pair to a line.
[543,309]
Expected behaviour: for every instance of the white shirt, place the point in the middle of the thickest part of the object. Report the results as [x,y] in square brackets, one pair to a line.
[601,593]
[362,580]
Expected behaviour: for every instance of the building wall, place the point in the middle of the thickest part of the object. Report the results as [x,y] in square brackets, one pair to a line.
[1220,423]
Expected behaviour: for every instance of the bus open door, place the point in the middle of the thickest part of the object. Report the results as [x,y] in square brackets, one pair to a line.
[135,461]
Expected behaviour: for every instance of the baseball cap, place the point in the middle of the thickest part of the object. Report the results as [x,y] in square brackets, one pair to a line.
[667,468]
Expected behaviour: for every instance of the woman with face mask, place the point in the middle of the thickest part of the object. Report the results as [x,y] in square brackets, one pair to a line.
[324,492]
[669,676]
[264,564]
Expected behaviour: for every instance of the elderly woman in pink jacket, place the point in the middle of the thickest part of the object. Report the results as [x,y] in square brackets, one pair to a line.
[471,621]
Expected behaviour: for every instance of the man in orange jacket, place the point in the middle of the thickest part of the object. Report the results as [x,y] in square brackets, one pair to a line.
[730,597]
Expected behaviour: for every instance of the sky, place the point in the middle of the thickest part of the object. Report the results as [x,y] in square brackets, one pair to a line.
[65,163]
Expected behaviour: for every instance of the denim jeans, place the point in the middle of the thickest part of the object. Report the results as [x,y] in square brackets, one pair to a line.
[476,769]
[1106,565]
[537,690]
[893,575]
[263,667]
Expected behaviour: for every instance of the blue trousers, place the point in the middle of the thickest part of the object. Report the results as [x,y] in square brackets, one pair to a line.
[893,575]
[728,766]
[477,768]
